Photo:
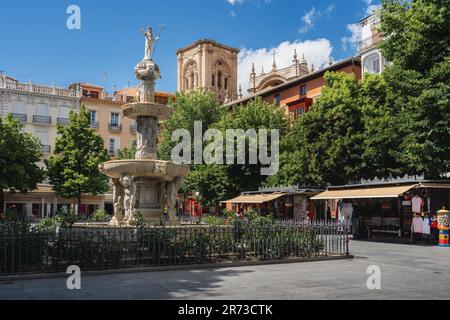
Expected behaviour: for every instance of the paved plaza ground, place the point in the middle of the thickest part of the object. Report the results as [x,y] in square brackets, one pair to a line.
[407,272]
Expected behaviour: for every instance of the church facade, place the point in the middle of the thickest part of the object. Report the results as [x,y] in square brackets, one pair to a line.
[209,66]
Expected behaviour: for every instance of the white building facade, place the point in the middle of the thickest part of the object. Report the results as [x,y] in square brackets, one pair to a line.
[372,61]
[39,108]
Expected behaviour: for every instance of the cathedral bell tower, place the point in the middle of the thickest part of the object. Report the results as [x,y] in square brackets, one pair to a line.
[209,66]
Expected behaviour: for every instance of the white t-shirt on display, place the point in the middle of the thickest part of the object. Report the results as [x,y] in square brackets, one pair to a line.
[417,204]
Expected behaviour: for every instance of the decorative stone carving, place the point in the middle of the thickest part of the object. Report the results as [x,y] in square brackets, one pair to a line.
[128,196]
[147,133]
[118,194]
[171,196]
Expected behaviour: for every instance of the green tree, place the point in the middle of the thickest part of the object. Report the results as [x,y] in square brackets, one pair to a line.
[349,133]
[19,154]
[418,45]
[127,153]
[187,108]
[211,182]
[73,170]
[257,114]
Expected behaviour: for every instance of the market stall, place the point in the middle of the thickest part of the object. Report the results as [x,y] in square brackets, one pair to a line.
[396,210]
[283,203]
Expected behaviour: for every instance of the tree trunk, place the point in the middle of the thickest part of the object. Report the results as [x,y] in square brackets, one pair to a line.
[79,204]
[2,200]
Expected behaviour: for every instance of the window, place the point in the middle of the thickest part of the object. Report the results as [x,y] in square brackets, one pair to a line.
[112,147]
[41,109]
[63,112]
[277,99]
[226,83]
[92,116]
[372,64]
[19,107]
[219,79]
[213,81]
[43,137]
[298,112]
[115,119]
[303,90]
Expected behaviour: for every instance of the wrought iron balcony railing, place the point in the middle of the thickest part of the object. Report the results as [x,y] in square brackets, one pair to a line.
[21,117]
[115,127]
[94,125]
[45,149]
[62,121]
[42,119]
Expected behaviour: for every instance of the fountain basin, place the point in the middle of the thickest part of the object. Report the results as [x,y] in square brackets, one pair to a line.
[147,109]
[148,168]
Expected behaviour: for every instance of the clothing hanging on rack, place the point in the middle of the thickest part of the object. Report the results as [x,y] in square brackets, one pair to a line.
[417,225]
[417,204]
[426,226]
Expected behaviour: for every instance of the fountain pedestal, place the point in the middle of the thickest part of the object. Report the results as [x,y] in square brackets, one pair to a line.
[145,186]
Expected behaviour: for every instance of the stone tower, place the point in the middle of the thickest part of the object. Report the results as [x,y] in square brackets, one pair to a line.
[210,66]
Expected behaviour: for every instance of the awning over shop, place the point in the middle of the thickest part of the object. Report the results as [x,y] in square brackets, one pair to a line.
[256,198]
[364,193]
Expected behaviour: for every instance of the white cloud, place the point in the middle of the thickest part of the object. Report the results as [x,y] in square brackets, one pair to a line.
[329,10]
[352,42]
[232,13]
[308,20]
[316,51]
[233,2]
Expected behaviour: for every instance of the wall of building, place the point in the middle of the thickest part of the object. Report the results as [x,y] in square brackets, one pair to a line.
[314,87]
[40,109]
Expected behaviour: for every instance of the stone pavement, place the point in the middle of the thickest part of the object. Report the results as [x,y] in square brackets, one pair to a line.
[407,272]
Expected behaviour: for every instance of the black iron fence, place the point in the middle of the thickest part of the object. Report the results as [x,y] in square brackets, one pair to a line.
[97,248]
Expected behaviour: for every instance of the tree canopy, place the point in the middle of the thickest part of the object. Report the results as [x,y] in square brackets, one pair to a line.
[418,45]
[73,170]
[20,153]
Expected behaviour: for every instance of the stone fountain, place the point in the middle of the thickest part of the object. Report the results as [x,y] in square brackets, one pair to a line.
[145,185]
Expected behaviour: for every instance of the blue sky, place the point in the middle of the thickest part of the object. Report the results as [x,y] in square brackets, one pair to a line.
[36,44]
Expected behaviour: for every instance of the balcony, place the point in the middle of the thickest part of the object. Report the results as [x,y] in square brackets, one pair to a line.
[21,117]
[133,128]
[370,42]
[45,149]
[93,125]
[42,119]
[62,121]
[115,127]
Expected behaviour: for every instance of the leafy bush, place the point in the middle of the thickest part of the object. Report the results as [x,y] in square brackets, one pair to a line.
[214,220]
[50,224]
[100,216]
